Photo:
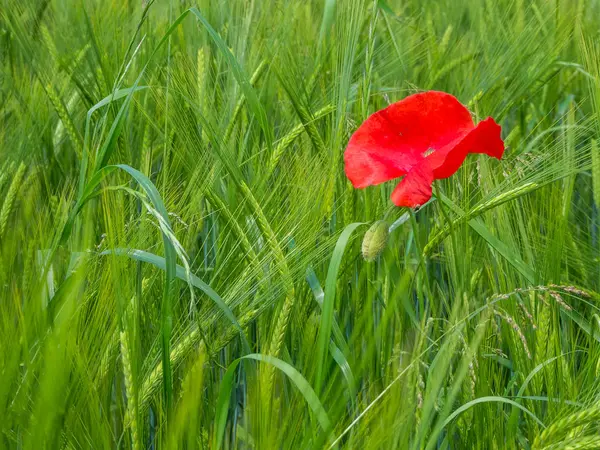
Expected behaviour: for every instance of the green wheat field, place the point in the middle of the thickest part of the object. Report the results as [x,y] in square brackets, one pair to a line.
[181,253]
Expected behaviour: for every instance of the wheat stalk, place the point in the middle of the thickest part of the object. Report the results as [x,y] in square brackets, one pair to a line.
[64,116]
[240,104]
[281,264]
[11,195]
[583,443]
[237,230]
[7,169]
[182,349]
[131,415]
[287,140]
[563,426]
[477,211]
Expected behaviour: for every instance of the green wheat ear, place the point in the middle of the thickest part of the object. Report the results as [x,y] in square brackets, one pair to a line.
[375,240]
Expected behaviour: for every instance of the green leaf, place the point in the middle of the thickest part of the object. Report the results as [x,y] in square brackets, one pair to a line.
[328,18]
[170,270]
[295,377]
[319,295]
[329,299]
[339,351]
[514,416]
[111,140]
[159,261]
[116,95]
[477,401]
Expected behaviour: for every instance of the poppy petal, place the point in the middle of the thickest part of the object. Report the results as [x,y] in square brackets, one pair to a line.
[394,140]
[414,189]
[368,168]
[484,138]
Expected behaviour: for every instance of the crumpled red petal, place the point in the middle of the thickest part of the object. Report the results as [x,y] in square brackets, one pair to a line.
[414,189]
[484,138]
[424,137]
[392,141]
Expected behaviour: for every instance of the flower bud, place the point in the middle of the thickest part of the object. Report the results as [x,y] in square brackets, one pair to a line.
[375,240]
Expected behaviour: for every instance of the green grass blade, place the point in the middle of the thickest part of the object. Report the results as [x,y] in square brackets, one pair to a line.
[295,377]
[328,302]
[487,399]
[159,261]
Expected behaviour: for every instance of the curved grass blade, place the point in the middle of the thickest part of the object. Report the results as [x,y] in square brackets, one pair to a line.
[159,261]
[319,294]
[512,423]
[339,351]
[329,299]
[296,377]
[86,139]
[170,257]
[477,401]
[170,270]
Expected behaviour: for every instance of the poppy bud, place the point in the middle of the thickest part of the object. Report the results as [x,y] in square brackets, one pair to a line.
[375,240]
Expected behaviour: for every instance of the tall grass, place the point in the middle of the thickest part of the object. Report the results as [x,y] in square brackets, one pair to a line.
[180,251]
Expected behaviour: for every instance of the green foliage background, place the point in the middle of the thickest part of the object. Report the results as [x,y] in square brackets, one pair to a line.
[180,251]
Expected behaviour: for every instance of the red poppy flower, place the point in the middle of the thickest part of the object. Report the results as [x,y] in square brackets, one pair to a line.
[422,138]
